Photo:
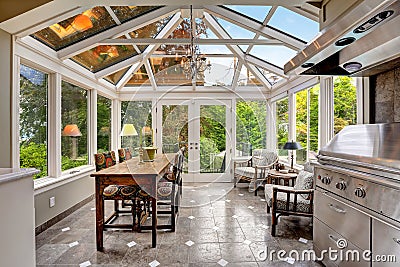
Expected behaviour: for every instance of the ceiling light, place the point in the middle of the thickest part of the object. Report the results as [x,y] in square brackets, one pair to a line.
[352,66]
[345,41]
[373,21]
[307,65]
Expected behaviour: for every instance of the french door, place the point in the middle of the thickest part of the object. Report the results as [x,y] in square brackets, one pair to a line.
[203,127]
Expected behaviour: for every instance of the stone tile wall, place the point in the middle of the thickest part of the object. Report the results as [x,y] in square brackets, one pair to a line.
[387,97]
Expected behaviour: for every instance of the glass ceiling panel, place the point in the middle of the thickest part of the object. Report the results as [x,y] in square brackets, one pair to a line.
[139,78]
[255,12]
[275,54]
[125,13]
[246,78]
[151,30]
[167,71]
[234,31]
[114,78]
[215,50]
[294,24]
[222,71]
[103,56]
[271,77]
[76,28]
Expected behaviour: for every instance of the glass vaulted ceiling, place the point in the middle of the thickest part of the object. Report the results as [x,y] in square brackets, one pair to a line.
[267,52]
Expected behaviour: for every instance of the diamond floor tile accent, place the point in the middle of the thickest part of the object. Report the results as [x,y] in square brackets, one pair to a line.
[247,242]
[222,262]
[191,217]
[85,264]
[189,243]
[131,244]
[154,263]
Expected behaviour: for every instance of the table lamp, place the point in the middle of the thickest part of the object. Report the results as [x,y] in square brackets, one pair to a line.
[292,146]
[128,130]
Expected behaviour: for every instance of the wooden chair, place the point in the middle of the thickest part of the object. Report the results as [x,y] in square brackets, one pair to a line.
[288,200]
[255,170]
[123,155]
[121,192]
[169,190]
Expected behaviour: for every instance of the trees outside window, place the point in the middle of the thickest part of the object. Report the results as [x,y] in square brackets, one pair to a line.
[33,120]
[251,126]
[139,114]
[282,126]
[103,124]
[345,102]
[307,124]
[74,143]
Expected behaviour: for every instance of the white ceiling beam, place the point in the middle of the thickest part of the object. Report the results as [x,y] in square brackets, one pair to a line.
[265,22]
[265,65]
[128,74]
[221,33]
[165,32]
[118,66]
[187,41]
[114,32]
[255,27]
[238,69]
[150,74]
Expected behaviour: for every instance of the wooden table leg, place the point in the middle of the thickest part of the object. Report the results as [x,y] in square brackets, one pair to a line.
[99,215]
[153,222]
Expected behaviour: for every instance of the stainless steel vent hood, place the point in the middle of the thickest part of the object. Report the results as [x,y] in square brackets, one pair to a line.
[363,41]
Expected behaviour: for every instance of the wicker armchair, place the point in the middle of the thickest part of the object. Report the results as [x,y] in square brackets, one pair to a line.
[287,200]
[256,169]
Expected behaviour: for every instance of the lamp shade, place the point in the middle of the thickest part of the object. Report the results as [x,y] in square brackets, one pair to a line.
[292,146]
[71,130]
[128,130]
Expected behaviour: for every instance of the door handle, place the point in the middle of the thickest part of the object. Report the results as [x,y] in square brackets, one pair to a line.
[335,208]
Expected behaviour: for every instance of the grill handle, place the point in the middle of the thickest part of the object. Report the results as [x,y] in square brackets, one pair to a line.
[333,238]
[335,208]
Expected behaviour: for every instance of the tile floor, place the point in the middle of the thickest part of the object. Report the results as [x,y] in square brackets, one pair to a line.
[218,225]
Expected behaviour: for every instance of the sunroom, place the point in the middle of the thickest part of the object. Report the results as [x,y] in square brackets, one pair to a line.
[83,78]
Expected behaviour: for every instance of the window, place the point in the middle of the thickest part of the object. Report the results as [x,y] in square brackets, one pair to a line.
[282,126]
[33,120]
[74,140]
[345,102]
[307,124]
[251,126]
[139,114]
[103,124]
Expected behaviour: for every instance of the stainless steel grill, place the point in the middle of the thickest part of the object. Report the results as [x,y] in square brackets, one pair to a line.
[357,182]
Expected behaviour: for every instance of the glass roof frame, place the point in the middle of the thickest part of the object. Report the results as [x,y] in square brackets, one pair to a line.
[245,49]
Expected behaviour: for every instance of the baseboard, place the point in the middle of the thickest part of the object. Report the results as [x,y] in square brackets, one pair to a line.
[62,215]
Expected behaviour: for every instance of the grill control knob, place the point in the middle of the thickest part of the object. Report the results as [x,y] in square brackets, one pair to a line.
[326,180]
[341,185]
[360,192]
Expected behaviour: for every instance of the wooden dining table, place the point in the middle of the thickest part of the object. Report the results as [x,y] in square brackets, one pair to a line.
[130,172]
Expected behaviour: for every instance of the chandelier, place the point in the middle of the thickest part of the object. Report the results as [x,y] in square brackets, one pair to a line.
[193,63]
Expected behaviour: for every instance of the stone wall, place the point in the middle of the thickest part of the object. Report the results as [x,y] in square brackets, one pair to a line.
[387,96]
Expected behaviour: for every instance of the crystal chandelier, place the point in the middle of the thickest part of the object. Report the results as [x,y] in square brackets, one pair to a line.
[193,63]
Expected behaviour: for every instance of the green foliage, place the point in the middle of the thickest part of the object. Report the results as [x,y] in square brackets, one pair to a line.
[251,125]
[34,155]
[68,163]
[345,102]
[208,147]
[103,124]
[282,121]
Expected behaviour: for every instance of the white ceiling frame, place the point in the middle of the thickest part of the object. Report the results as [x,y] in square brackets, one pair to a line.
[150,74]
[255,27]
[265,22]
[265,65]
[114,32]
[118,66]
[165,32]
[221,33]
[128,74]
[188,41]
[238,69]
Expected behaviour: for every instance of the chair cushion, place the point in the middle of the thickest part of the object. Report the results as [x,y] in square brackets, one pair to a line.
[104,160]
[120,192]
[247,172]
[303,205]
[164,190]
[304,181]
